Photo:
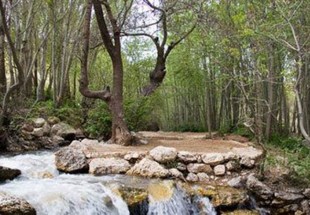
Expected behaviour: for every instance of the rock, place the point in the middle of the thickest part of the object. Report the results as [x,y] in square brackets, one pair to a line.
[8,173]
[181,166]
[307,193]
[46,129]
[224,196]
[27,127]
[187,157]
[249,152]
[247,162]
[260,189]
[191,177]
[305,206]
[136,199]
[199,167]
[288,197]
[104,166]
[286,209]
[163,154]
[134,156]
[37,132]
[71,160]
[26,135]
[148,168]
[38,122]
[63,130]
[219,170]
[232,165]
[241,212]
[10,205]
[161,191]
[57,140]
[212,158]
[175,173]
[203,177]
[52,120]
[87,141]
[230,156]
[236,182]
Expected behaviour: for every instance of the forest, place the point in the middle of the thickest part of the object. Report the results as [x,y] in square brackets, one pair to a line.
[113,71]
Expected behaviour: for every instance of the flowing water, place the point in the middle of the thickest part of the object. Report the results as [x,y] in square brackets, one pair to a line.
[52,193]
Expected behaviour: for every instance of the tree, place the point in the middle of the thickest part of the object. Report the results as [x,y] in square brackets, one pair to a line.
[110,30]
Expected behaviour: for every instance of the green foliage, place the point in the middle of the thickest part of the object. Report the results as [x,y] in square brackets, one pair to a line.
[243,131]
[292,154]
[69,112]
[139,112]
[190,128]
[99,121]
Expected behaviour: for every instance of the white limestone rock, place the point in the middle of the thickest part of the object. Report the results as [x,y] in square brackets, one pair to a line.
[104,166]
[163,154]
[219,170]
[38,122]
[191,177]
[212,158]
[148,168]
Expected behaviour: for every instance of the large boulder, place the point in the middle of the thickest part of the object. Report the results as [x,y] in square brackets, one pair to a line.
[8,173]
[148,168]
[163,154]
[104,166]
[10,205]
[212,158]
[71,160]
[260,189]
[64,130]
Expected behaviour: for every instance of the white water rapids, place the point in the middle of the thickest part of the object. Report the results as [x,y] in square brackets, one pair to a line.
[51,193]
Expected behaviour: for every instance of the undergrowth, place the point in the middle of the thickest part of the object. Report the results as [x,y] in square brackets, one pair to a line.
[290,153]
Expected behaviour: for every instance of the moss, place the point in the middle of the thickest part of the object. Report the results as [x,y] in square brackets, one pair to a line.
[161,190]
[241,212]
[133,195]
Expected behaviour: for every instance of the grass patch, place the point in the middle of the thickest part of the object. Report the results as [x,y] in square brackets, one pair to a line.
[289,153]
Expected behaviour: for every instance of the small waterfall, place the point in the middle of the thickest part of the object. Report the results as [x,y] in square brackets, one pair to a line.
[54,194]
[38,165]
[180,203]
[204,206]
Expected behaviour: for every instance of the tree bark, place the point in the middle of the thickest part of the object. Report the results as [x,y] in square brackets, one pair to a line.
[120,132]
[2,63]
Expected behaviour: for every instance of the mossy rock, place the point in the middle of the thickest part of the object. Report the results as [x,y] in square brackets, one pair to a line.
[222,196]
[136,199]
[241,212]
[133,195]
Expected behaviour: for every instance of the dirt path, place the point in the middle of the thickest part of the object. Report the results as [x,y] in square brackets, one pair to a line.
[193,142]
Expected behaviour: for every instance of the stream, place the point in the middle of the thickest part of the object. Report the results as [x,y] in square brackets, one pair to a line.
[54,193]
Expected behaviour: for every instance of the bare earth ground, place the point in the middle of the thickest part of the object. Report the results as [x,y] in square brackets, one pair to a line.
[185,141]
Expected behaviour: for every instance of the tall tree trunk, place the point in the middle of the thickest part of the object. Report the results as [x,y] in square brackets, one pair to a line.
[2,63]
